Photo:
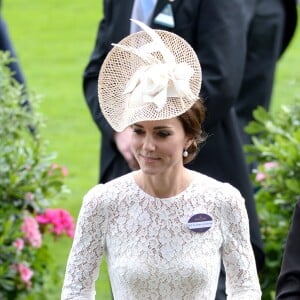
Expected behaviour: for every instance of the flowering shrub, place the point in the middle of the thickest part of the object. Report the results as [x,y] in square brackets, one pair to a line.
[29,183]
[276,150]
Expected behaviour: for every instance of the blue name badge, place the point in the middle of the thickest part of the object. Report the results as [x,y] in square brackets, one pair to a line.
[200,222]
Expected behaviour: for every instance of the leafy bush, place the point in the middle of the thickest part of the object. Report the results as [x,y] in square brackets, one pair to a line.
[276,150]
[29,184]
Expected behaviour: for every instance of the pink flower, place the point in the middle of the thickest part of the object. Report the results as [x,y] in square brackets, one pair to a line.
[29,196]
[270,165]
[63,169]
[26,273]
[260,176]
[53,167]
[19,244]
[30,227]
[60,221]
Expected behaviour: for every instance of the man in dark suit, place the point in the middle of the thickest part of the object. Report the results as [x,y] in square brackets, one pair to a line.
[288,284]
[269,34]
[218,31]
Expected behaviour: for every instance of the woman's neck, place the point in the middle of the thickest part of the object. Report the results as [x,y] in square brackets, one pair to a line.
[164,185]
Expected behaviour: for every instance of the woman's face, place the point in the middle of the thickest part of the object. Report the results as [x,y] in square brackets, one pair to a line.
[158,145]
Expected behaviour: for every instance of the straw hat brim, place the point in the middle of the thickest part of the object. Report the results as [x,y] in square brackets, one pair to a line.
[118,69]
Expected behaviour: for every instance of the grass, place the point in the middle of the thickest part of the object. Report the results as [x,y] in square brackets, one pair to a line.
[53,40]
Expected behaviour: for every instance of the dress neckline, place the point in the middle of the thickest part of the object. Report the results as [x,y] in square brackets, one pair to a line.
[140,190]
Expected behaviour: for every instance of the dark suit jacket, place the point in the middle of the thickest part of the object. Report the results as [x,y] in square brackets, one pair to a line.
[217,30]
[270,31]
[288,284]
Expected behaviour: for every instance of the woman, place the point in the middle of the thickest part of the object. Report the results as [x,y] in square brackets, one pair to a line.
[164,228]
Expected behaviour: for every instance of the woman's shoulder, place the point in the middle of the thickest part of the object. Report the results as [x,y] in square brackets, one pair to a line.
[210,186]
[212,183]
[225,198]
[104,193]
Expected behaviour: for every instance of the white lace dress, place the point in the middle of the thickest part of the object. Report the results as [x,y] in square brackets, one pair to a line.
[151,253]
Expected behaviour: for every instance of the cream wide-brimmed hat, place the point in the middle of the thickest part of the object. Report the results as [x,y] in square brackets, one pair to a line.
[149,75]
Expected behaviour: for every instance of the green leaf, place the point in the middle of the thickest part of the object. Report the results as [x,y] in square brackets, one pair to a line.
[293,185]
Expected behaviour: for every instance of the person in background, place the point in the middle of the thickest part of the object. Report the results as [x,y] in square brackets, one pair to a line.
[271,29]
[164,228]
[288,283]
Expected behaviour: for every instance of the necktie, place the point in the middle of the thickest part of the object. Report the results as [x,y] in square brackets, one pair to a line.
[142,11]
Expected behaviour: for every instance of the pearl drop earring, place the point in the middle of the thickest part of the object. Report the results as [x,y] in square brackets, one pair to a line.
[185,153]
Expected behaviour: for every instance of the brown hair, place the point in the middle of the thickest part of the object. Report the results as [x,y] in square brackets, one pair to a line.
[192,121]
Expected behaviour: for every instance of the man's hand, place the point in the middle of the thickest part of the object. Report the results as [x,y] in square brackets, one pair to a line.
[123,142]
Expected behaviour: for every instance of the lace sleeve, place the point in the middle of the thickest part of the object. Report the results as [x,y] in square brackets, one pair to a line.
[241,275]
[87,249]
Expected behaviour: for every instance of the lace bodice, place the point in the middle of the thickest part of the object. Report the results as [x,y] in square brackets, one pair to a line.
[151,252]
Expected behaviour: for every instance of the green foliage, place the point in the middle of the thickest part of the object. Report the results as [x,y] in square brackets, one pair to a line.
[276,149]
[29,182]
